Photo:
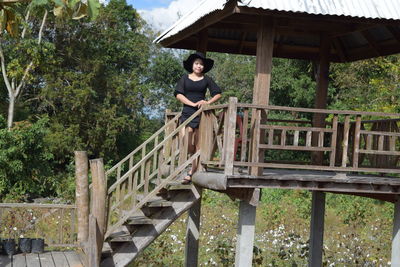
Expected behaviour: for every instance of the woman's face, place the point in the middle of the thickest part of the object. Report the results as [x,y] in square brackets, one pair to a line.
[198,66]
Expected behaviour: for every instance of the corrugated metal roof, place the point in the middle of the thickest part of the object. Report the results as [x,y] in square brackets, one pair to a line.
[371,9]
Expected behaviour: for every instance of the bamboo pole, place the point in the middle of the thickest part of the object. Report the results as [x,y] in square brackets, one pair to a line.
[82,195]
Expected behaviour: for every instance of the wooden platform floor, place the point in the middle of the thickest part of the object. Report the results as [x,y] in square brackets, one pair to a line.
[378,187]
[47,259]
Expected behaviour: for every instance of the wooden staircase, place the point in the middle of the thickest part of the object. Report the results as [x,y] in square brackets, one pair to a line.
[147,195]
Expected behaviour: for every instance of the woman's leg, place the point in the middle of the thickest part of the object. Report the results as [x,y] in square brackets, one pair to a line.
[196,147]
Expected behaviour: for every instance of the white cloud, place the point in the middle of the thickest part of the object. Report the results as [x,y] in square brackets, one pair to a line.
[162,18]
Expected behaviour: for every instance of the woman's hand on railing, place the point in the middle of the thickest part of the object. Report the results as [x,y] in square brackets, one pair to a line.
[201,103]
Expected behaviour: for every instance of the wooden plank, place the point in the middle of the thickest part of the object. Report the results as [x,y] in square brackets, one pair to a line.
[143,163]
[314,167]
[346,130]
[59,259]
[392,143]
[155,155]
[296,128]
[82,194]
[332,158]
[46,260]
[18,260]
[32,260]
[296,148]
[314,110]
[73,259]
[356,141]
[378,152]
[382,133]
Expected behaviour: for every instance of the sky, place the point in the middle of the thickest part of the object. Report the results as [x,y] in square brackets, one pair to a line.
[162,13]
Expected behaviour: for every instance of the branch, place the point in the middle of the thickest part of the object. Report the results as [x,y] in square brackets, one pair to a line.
[26,21]
[42,26]
[3,70]
[28,68]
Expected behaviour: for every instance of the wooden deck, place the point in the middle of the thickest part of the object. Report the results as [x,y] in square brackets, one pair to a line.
[373,186]
[47,259]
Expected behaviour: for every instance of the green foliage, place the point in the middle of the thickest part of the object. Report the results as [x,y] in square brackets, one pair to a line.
[25,162]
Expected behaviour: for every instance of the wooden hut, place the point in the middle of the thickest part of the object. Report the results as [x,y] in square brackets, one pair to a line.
[321,31]
[342,151]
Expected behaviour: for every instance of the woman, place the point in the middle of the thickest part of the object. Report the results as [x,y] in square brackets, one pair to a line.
[191,91]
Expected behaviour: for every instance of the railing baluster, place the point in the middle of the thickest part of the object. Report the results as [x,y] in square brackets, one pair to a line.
[296,138]
[142,167]
[369,142]
[73,222]
[380,142]
[283,138]
[146,177]
[271,137]
[155,155]
[356,141]
[345,140]
[172,156]
[244,135]
[392,143]
[334,140]
[308,138]
[321,139]
[134,189]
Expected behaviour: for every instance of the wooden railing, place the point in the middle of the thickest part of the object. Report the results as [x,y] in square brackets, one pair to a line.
[55,223]
[138,182]
[284,137]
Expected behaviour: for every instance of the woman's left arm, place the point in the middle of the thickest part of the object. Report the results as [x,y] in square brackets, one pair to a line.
[214,99]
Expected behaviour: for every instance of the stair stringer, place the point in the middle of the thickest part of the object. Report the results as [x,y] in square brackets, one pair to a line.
[146,234]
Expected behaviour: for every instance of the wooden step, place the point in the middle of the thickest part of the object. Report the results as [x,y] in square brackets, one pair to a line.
[124,251]
[138,220]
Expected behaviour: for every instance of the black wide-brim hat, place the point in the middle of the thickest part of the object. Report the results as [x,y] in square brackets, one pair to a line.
[188,63]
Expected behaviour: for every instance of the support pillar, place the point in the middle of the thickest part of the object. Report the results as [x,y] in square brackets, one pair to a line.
[317,229]
[396,235]
[193,234]
[245,235]
[321,93]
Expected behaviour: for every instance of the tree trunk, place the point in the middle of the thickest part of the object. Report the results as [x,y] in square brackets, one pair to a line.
[10,119]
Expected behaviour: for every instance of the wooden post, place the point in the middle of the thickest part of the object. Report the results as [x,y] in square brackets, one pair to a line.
[99,198]
[193,234]
[262,84]
[229,142]
[396,235]
[93,253]
[245,235]
[82,195]
[321,93]
[317,229]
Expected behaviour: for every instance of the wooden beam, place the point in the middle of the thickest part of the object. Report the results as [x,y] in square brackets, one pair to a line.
[395,32]
[82,194]
[203,41]
[371,41]
[317,229]
[340,49]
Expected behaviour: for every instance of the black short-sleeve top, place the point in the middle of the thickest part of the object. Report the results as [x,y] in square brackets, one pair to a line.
[196,90]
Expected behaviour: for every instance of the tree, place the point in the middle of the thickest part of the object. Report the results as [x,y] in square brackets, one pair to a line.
[17,25]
